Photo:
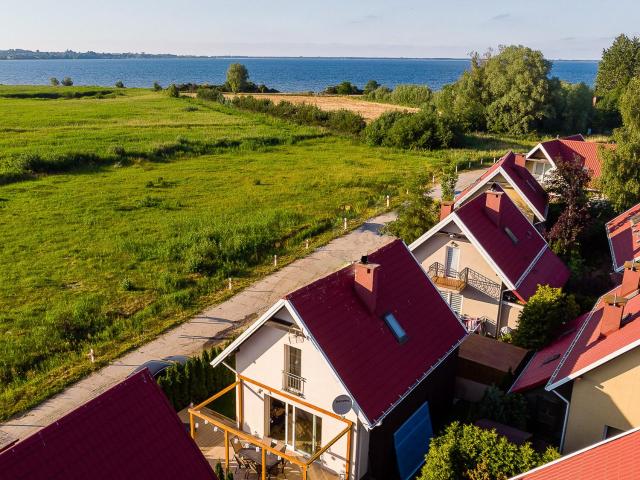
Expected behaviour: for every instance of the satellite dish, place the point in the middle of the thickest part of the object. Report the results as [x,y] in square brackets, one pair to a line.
[342,404]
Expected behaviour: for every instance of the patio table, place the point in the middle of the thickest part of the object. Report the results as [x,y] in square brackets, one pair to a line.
[256,457]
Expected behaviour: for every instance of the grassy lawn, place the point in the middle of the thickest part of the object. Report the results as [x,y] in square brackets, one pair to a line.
[109,250]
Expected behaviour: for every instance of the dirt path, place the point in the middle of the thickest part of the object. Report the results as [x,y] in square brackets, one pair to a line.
[205,329]
[369,110]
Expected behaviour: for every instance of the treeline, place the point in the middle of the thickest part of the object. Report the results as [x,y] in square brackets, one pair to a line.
[196,380]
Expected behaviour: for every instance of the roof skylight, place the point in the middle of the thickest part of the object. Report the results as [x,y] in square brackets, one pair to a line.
[395,327]
[511,235]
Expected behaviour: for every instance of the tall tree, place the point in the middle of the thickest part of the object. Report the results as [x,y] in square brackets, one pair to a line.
[517,89]
[569,181]
[620,180]
[237,77]
[620,63]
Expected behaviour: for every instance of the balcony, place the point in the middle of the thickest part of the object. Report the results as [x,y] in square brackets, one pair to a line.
[293,383]
[447,278]
[458,281]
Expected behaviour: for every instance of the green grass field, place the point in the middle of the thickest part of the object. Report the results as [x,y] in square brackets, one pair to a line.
[140,206]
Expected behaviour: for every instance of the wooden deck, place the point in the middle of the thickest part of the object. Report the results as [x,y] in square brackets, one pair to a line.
[451,283]
[211,445]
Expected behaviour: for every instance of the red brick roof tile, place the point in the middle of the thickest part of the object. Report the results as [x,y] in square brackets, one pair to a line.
[624,237]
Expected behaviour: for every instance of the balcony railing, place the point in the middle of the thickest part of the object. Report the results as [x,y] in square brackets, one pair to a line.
[449,278]
[293,383]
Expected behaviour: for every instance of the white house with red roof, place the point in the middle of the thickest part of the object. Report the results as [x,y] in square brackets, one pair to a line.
[623,233]
[594,367]
[373,345]
[542,158]
[512,175]
[612,458]
[487,259]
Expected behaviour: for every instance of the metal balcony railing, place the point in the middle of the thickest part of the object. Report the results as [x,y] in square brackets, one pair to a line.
[450,278]
[293,383]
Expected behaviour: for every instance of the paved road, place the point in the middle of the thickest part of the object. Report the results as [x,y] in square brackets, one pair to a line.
[206,328]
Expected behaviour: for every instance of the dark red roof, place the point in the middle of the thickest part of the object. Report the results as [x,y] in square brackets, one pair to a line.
[624,237]
[526,263]
[574,148]
[518,176]
[375,368]
[544,362]
[129,431]
[612,459]
[590,348]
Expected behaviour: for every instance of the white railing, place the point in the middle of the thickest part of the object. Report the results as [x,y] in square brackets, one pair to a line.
[293,383]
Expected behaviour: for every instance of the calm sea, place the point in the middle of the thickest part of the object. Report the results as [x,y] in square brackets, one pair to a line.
[284,74]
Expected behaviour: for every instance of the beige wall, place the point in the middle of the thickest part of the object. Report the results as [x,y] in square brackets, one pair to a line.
[607,395]
[261,358]
[474,303]
[509,314]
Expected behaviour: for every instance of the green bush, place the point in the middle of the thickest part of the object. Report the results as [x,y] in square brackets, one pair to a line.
[119,84]
[407,95]
[343,88]
[545,312]
[156,87]
[67,82]
[470,452]
[173,91]
[507,408]
[54,81]
[211,94]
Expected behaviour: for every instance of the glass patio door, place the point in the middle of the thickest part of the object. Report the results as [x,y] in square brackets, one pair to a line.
[296,427]
[277,419]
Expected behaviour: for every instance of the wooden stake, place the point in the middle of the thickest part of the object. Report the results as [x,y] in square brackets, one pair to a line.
[387,201]
[275,260]
[345,223]
[306,243]
[230,283]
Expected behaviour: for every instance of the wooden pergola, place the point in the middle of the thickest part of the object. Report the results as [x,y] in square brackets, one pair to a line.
[228,430]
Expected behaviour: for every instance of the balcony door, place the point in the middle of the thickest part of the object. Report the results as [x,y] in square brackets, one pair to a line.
[451,262]
[292,375]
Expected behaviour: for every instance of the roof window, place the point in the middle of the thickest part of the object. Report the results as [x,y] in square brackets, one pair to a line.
[395,327]
[511,235]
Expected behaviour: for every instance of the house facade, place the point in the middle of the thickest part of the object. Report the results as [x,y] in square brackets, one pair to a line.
[353,349]
[487,259]
[594,367]
[541,159]
[517,182]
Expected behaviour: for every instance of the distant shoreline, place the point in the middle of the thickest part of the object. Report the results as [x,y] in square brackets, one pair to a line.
[18,54]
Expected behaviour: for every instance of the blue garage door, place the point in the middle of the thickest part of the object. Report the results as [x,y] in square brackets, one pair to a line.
[412,442]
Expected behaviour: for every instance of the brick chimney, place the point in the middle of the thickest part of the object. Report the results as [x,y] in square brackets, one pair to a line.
[367,276]
[520,160]
[446,207]
[493,206]
[612,314]
[630,278]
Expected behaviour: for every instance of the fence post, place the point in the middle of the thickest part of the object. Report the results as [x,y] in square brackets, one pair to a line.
[275,260]
[230,283]
[387,201]
[306,243]
[345,223]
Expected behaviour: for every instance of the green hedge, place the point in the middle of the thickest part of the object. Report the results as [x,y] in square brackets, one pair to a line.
[196,380]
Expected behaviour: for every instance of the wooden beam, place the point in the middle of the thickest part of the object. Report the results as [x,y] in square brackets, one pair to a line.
[192,427]
[295,399]
[315,456]
[226,450]
[240,404]
[304,473]
[348,462]
[246,436]
[216,396]
[264,464]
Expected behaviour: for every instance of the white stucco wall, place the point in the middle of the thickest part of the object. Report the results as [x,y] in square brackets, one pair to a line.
[261,358]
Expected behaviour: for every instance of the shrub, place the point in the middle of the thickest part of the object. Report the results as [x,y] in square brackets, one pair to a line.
[547,310]
[467,451]
[211,94]
[173,91]
[67,82]
[83,320]
[119,84]
[126,284]
[54,81]
[156,87]
[237,77]
[370,87]
[406,94]
[448,181]
[507,408]
[343,88]
[346,121]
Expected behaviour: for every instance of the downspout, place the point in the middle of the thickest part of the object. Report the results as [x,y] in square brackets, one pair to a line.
[499,310]
[566,419]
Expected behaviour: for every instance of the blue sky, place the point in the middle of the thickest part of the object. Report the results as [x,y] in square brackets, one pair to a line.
[561,29]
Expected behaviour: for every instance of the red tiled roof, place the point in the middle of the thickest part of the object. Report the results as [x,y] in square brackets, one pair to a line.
[377,369]
[519,177]
[572,148]
[129,431]
[612,459]
[548,270]
[515,260]
[587,352]
[625,246]
[544,362]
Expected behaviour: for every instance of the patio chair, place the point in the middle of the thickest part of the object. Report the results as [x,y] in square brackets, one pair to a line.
[281,447]
[241,462]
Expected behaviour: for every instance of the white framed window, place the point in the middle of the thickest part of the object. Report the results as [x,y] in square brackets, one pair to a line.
[452,261]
